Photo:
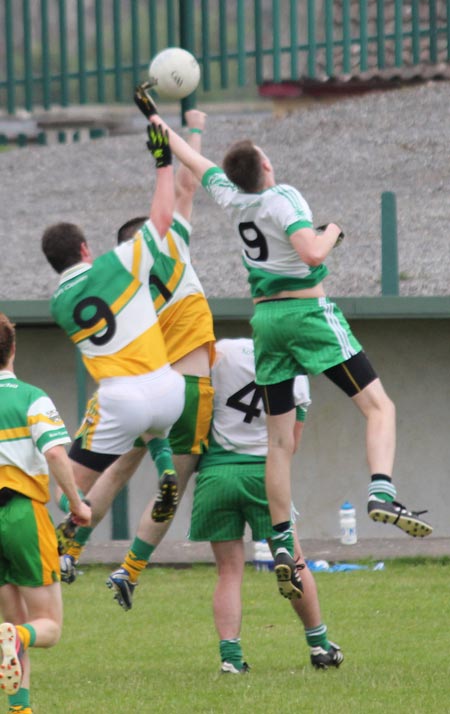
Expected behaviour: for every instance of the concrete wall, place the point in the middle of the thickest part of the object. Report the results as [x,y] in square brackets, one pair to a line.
[412,358]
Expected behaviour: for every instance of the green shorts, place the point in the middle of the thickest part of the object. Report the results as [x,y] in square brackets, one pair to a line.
[299,336]
[28,547]
[189,434]
[225,499]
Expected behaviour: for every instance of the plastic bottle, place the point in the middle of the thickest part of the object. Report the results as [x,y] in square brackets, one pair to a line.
[263,559]
[347,523]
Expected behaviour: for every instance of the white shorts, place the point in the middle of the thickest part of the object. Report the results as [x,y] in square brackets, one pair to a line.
[126,407]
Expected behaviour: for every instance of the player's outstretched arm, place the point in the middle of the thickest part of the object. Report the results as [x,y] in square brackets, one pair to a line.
[61,469]
[186,183]
[194,161]
[163,203]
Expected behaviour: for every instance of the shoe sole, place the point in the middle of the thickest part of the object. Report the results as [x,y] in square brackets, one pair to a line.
[10,668]
[285,586]
[118,595]
[166,504]
[408,524]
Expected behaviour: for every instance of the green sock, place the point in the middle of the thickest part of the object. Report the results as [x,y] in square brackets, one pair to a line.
[137,558]
[83,534]
[161,453]
[283,539]
[382,488]
[230,651]
[63,502]
[20,698]
[317,636]
[141,549]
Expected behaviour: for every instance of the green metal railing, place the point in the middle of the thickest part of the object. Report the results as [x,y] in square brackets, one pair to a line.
[63,52]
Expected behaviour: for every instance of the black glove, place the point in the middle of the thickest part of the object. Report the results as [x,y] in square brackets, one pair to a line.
[158,145]
[340,237]
[143,100]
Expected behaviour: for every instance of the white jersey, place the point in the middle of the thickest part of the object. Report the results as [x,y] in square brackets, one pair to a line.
[264,222]
[238,429]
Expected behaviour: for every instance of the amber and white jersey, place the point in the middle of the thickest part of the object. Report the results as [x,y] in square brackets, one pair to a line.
[107,310]
[29,426]
[264,222]
[181,284]
[239,431]
[183,311]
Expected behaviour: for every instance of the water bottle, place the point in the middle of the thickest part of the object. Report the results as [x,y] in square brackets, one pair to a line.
[263,559]
[347,522]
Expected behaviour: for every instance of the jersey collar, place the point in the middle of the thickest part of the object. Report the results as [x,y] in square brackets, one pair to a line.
[74,271]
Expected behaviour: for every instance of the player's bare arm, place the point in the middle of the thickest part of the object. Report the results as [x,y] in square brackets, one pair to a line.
[314,247]
[61,469]
[197,163]
[163,203]
[186,183]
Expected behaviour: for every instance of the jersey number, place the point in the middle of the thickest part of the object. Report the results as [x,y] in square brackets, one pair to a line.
[102,311]
[255,240]
[251,410]
[163,289]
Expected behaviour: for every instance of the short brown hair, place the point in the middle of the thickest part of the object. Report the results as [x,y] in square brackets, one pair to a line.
[243,166]
[7,339]
[61,244]
[130,228]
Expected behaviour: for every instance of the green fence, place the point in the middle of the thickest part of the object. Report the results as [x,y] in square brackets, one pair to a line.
[63,52]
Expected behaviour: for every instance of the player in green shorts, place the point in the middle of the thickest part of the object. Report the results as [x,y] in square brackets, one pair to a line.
[230,493]
[32,438]
[296,328]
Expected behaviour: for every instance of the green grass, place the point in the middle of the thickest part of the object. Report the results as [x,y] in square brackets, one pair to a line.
[162,656]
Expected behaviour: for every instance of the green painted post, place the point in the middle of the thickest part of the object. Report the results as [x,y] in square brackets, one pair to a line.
[312,44]
[389,250]
[135,53]
[223,44]
[27,56]
[293,39]
[9,44]
[187,41]
[206,64]
[329,33]
[45,42]
[276,41]
[117,24]
[63,52]
[99,50]
[81,42]
[259,54]
[241,42]
[381,54]
[119,512]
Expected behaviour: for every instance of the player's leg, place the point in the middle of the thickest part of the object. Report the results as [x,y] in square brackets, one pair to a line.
[323,652]
[188,438]
[357,378]
[149,534]
[227,603]
[30,596]
[218,516]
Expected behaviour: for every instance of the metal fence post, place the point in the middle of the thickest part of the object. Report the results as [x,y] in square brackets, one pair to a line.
[389,251]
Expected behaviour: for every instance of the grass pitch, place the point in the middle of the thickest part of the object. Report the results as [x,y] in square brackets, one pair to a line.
[162,656]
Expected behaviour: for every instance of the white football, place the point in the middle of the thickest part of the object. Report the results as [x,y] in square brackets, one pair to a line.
[176,73]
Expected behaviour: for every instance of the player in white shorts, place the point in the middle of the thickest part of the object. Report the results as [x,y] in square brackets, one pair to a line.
[105,307]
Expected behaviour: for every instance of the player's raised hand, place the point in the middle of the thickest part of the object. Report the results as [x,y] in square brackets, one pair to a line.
[195,119]
[158,145]
[143,100]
